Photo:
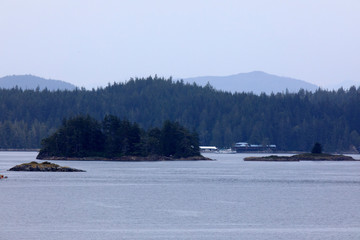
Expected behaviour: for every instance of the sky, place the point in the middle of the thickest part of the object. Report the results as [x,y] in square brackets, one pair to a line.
[91,43]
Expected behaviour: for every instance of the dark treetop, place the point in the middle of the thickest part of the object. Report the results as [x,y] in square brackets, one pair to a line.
[86,138]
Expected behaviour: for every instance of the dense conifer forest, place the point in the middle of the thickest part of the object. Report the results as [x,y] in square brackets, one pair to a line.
[292,121]
[83,136]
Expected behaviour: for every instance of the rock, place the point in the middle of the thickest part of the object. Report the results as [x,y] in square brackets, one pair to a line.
[302,157]
[43,167]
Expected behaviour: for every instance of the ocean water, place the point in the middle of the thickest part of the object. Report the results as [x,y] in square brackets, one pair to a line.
[223,199]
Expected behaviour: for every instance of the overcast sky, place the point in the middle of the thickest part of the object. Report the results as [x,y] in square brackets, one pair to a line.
[91,43]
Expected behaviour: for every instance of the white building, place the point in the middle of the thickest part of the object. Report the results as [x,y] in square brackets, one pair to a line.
[208,149]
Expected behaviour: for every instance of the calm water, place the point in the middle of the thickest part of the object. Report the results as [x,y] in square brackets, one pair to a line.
[223,199]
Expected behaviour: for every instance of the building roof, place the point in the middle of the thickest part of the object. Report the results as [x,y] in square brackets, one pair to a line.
[208,147]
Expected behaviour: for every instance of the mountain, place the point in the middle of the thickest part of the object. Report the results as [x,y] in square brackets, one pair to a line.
[32,82]
[256,82]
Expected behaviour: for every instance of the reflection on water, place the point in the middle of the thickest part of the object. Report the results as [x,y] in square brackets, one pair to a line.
[223,199]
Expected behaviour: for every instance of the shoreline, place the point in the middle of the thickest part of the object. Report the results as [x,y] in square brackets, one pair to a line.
[303,157]
[279,152]
[127,159]
[20,150]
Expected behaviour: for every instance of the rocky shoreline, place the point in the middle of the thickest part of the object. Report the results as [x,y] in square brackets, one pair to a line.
[302,157]
[152,158]
[43,167]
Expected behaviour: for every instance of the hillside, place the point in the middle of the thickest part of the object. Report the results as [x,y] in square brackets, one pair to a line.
[291,121]
[256,82]
[33,82]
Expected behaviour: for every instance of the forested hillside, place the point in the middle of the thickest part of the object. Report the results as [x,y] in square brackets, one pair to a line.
[291,121]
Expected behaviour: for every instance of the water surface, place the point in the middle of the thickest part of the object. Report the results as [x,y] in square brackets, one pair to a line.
[223,199]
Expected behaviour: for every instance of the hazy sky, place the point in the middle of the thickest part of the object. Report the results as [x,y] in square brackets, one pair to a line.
[90,43]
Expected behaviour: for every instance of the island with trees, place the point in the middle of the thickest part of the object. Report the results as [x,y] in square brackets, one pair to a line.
[84,138]
[315,155]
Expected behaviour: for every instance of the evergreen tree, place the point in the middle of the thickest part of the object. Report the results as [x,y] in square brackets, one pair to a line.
[317,148]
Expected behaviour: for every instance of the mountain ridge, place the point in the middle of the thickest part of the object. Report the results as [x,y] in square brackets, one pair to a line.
[256,82]
[31,82]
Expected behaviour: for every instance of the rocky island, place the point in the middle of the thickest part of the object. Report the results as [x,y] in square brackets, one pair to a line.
[302,157]
[84,138]
[43,167]
[315,155]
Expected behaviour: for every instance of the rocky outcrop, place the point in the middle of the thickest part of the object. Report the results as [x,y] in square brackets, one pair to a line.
[302,157]
[43,167]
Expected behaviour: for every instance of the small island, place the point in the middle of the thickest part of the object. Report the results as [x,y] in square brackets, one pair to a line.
[302,157]
[43,167]
[84,138]
[315,155]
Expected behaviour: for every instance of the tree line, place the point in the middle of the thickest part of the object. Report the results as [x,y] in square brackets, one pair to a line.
[292,121]
[84,136]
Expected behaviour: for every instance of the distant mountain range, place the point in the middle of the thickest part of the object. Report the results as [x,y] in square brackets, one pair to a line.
[33,82]
[256,82]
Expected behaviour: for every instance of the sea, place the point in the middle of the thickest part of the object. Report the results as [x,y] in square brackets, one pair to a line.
[227,198]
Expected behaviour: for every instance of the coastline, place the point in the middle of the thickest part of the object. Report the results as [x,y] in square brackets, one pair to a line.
[302,157]
[19,149]
[127,158]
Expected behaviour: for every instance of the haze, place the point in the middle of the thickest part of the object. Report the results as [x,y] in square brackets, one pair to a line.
[91,43]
